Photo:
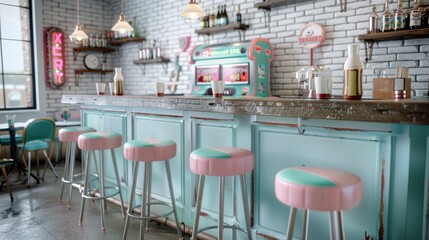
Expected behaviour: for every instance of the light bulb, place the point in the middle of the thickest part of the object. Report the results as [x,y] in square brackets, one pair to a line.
[79,38]
[122,30]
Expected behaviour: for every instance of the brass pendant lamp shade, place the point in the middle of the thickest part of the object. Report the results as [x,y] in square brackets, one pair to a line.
[122,25]
[193,11]
[78,33]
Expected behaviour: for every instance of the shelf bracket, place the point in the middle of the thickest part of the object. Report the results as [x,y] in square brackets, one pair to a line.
[369,46]
[343,6]
[165,67]
[76,79]
[75,53]
[267,17]
[143,68]
[241,35]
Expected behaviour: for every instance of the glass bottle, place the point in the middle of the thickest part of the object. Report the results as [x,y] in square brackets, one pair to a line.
[373,20]
[386,18]
[399,17]
[212,18]
[425,18]
[416,16]
[218,17]
[353,73]
[238,14]
[119,82]
[226,21]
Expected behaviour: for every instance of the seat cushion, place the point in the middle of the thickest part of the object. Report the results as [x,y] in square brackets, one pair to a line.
[149,150]
[5,139]
[99,141]
[34,145]
[319,189]
[71,134]
[221,161]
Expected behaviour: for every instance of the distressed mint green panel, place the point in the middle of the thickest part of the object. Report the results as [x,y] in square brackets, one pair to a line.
[277,148]
[211,133]
[163,127]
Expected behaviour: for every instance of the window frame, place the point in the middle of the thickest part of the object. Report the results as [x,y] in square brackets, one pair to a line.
[34,55]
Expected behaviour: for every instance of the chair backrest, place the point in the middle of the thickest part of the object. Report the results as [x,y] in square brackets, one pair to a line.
[39,129]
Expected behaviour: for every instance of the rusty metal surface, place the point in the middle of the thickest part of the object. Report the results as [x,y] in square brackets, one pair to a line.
[404,111]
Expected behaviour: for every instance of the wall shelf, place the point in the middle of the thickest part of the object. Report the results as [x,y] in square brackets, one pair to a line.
[370,38]
[267,5]
[77,50]
[118,42]
[395,35]
[233,26]
[161,60]
[78,72]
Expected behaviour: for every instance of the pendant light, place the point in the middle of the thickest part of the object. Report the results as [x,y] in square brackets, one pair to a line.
[78,33]
[193,11]
[122,25]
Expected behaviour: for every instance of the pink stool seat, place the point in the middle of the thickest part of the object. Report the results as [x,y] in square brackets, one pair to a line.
[149,150]
[318,189]
[71,134]
[99,141]
[221,161]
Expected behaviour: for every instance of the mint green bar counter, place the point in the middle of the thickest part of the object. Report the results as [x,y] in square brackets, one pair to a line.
[384,142]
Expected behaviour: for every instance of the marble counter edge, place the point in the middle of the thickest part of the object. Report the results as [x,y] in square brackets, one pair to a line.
[407,111]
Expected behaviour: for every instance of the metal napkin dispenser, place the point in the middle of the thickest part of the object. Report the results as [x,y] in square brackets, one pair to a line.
[391,88]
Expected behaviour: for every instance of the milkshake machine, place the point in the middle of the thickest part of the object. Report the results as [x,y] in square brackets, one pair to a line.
[244,67]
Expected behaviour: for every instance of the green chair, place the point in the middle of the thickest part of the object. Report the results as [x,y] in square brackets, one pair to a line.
[38,134]
[4,163]
[5,140]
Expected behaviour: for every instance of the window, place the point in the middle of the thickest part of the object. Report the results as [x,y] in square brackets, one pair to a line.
[17,84]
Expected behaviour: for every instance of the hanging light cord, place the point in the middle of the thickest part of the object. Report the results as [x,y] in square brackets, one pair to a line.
[122,6]
[77,11]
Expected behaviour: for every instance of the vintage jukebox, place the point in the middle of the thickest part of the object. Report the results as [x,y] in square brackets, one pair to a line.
[243,66]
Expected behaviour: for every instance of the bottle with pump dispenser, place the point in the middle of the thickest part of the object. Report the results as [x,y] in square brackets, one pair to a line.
[353,74]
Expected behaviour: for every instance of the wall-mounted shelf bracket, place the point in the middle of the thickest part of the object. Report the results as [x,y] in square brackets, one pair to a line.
[343,5]
[369,46]
[267,16]
[142,63]
[78,72]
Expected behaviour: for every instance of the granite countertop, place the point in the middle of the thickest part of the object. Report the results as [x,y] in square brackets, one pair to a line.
[403,111]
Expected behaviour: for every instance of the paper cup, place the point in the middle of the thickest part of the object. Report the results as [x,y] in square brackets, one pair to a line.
[323,87]
[10,120]
[217,88]
[159,89]
[101,87]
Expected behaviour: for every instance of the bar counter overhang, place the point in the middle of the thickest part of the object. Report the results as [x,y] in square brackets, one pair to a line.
[385,142]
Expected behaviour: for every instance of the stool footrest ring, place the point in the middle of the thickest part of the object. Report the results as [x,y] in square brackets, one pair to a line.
[224,226]
[92,196]
[135,216]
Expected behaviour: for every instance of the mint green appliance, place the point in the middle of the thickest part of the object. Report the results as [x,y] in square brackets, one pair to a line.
[243,66]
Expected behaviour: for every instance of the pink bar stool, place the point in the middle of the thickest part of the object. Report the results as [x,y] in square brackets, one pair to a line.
[318,189]
[148,151]
[70,135]
[99,141]
[221,162]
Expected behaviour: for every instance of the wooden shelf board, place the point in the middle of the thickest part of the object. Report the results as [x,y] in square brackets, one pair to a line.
[395,35]
[232,26]
[121,41]
[81,71]
[91,49]
[276,3]
[149,61]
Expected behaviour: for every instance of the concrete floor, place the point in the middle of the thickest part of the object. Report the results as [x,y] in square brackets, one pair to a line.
[36,213]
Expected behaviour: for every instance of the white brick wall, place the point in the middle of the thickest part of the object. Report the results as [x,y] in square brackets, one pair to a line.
[160,20]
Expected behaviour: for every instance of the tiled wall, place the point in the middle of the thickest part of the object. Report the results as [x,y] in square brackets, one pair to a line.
[159,20]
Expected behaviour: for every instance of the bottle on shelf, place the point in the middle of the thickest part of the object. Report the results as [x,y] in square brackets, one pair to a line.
[238,14]
[373,20]
[386,18]
[203,23]
[353,73]
[225,15]
[212,19]
[425,18]
[416,16]
[207,19]
[399,17]
[218,17]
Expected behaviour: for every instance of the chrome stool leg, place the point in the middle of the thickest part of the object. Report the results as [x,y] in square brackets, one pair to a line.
[220,211]
[198,207]
[149,192]
[305,224]
[291,224]
[85,186]
[144,198]
[102,195]
[341,235]
[66,172]
[71,171]
[131,203]
[173,200]
[115,166]
[245,206]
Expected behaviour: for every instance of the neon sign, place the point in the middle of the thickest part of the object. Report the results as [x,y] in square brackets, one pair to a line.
[55,66]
